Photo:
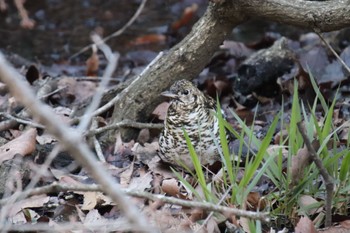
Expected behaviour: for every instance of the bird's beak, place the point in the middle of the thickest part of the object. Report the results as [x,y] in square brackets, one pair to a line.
[168,94]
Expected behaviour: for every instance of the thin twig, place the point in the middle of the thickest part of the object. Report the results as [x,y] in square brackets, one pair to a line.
[112,59]
[334,52]
[117,98]
[117,33]
[97,145]
[324,173]
[72,141]
[22,121]
[116,225]
[57,187]
[20,194]
[211,213]
[53,92]
[125,123]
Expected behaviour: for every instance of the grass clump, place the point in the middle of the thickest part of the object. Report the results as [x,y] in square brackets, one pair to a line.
[290,195]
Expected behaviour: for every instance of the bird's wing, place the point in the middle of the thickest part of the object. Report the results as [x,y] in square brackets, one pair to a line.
[210,102]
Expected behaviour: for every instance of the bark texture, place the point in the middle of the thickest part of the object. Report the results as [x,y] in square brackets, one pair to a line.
[189,57]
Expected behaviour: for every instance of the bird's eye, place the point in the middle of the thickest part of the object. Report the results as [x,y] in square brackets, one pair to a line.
[185,92]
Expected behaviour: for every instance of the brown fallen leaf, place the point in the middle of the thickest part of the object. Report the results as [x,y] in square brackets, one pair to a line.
[255,201]
[306,200]
[305,225]
[92,63]
[146,152]
[299,163]
[186,17]
[161,110]
[142,182]
[148,39]
[126,175]
[345,224]
[23,145]
[91,199]
[31,202]
[171,187]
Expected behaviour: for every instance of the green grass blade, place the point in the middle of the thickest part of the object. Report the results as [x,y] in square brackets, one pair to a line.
[197,166]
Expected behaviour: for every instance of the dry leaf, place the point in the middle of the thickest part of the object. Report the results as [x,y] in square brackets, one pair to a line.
[306,200]
[21,218]
[299,163]
[148,39]
[125,176]
[121,147]
[212,226]
[92,63]
[95,217]
[142,182]
[171,187]
[345,224]
[91,199]
[186,17]
[255,202]
[143,136]
[146,152]
[305,225]
[32,202]
[45,139]
[244,222]
[161,110]
[283,134]
[23,145]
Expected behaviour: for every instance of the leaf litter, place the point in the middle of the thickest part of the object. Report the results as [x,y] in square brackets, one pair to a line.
[135,164]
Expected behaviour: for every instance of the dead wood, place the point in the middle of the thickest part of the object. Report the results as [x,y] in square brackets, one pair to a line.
[189,57]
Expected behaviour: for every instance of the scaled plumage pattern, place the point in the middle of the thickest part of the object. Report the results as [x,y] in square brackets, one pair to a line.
[192,111]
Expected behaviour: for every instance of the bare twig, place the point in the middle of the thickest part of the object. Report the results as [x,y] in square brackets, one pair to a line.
[97,145]
[334,52]
[72,142]
[125,123]
[112,64]
[325,175]
[117,225]
[56,187]
[13,178]
[26,22]
[119,32]
[20,194]
[22,121]
[111,103]
[211,213]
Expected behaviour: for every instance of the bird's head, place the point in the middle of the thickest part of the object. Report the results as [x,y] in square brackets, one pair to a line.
[184,94]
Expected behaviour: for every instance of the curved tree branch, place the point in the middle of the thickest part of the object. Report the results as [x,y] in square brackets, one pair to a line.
[183,61]
[317,15]
[189,57]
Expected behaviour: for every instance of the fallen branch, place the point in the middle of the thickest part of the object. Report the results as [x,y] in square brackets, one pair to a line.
[56,187]
[22,121]
[125,123]
[118,225]
[188,58]
[327,178]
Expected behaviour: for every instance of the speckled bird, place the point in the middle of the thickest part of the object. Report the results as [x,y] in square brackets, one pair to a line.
[193,111]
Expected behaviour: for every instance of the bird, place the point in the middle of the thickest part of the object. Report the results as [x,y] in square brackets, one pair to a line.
[193,111]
